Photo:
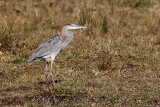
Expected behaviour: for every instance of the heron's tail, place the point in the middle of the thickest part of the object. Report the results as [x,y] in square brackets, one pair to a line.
[32,57]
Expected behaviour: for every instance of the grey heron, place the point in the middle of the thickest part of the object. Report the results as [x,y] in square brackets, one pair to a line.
[50,48]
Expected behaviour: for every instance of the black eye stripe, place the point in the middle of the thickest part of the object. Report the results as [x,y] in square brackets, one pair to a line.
[69,24]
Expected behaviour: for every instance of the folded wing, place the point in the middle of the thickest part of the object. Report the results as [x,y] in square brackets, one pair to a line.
[47,47]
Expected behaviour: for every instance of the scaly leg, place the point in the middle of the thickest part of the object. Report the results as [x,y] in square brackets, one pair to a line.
[52,59]
[46,72]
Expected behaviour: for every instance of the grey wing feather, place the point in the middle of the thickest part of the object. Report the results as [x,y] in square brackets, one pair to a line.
[47,47]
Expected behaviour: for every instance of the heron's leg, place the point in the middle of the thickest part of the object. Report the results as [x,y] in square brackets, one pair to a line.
[46,72]
[52,59]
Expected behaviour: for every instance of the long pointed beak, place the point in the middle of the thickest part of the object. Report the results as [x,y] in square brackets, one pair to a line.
[81,27]
[78,27]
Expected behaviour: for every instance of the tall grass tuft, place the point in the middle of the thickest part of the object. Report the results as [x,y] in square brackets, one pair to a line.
[8,33]
[94,18]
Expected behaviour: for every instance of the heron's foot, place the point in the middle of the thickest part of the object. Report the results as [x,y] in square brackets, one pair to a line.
[53,83]
[47,82]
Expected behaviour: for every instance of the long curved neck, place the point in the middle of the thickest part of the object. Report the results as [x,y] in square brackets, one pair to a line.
[68,37]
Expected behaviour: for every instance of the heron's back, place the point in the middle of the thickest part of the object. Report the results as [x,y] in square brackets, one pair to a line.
[52,45]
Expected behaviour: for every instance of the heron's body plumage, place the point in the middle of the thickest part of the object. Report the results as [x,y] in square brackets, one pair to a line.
[50,48]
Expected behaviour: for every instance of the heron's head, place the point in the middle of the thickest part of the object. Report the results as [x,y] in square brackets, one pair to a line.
[73,26]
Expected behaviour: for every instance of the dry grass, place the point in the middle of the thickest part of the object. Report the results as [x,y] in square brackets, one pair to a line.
[115,62]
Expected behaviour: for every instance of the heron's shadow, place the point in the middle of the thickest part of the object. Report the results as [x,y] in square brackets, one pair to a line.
[49,82]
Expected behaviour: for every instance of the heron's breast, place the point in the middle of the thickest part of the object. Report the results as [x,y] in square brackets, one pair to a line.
[48,57]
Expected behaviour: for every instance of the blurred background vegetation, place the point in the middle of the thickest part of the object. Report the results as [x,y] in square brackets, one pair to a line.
[114,62]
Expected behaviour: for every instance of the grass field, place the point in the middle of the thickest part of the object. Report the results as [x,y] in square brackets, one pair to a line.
[114,62]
